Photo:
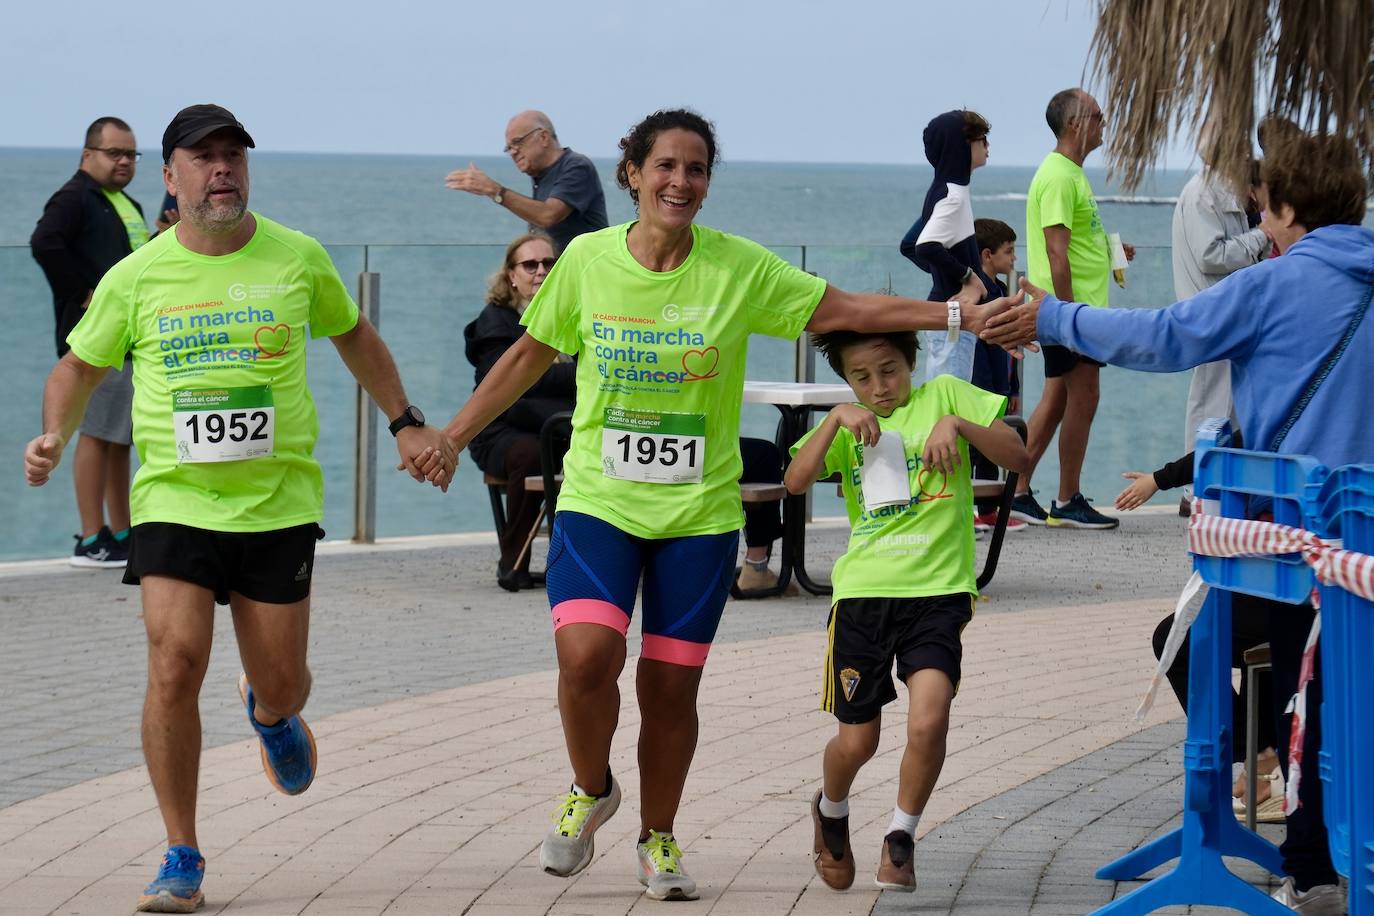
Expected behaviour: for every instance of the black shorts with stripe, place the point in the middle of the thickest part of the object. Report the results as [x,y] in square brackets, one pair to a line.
[866,635]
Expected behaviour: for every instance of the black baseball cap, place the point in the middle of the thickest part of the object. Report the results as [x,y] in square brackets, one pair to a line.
[196,122]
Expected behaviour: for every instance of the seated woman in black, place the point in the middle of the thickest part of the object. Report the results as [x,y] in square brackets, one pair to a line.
[509,447]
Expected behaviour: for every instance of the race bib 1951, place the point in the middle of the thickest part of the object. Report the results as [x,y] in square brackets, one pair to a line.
[223,424]
[652,446]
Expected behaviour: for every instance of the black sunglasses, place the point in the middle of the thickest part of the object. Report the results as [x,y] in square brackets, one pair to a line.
[532,265]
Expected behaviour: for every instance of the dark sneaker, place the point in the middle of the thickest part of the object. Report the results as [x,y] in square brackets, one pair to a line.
[176,889]
[830,850]
[896,869]
[102,553]
[1077,513]
[1024,507]
[288,748]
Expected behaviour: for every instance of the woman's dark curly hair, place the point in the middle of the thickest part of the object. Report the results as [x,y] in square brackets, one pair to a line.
[635,145]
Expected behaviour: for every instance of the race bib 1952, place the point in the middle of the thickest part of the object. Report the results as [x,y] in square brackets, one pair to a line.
[223,424]
[652,446]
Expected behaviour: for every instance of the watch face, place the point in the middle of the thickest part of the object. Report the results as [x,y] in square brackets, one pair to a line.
[416,415]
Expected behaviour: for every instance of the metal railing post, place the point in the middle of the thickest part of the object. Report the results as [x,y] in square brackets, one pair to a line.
[365,461]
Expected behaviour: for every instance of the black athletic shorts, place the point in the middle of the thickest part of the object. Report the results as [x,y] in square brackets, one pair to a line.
[269,566]
[867,634]
[1059,360]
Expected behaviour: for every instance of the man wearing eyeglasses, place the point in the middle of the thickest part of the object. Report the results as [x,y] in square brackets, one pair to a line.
[567,199]
[87,227]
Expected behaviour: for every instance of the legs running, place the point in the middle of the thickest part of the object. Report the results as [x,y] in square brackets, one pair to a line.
[1080,406]
[846,753]
[590,659]
[930,694]
[272,645]
[1043,423]
[89,475]
[667,738]
[179,618]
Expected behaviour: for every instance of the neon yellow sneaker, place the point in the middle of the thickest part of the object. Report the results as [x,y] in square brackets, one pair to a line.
[660,869]
[569,846]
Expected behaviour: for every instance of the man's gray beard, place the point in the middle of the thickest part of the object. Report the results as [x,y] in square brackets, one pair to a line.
[213,220]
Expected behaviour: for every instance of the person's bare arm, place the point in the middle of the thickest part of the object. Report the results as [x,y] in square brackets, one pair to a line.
[541,213]
[523,364]
[65,396]
[809,461]
[1057,247]
[875,312]
[369,360]
[998,442]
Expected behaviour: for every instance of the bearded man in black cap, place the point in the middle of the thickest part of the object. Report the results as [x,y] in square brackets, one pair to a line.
[227,501]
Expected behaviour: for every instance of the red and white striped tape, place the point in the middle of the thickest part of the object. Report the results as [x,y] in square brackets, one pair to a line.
[1214,536]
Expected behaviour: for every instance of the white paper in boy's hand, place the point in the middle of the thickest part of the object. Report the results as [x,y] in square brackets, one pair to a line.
[883,474]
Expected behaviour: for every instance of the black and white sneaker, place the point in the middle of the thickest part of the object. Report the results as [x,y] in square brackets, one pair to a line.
[102,553]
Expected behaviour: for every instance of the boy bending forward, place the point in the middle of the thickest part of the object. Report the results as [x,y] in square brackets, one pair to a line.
[904,588]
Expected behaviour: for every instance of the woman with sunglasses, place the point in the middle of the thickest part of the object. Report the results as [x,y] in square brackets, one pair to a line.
[660,310]
[509,446]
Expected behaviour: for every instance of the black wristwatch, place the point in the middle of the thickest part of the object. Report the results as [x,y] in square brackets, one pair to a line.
[410,417]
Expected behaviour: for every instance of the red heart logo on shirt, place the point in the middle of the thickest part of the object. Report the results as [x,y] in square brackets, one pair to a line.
[701,364]
[272,340]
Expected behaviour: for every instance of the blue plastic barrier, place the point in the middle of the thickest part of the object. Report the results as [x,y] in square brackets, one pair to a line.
[1343,509]
[1233,479]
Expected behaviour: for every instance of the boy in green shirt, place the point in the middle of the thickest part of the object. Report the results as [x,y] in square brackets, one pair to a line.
[905,587]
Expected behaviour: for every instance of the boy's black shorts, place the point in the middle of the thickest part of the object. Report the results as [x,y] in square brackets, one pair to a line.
[274,567]
[866,634]
[1061,360]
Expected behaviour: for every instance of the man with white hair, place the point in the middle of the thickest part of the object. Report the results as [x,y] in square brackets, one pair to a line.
[566,200]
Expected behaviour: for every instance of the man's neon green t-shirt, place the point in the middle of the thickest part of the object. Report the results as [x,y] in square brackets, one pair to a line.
[660,373]
[1061,196]
[924,548]
[223,419]
[130,217]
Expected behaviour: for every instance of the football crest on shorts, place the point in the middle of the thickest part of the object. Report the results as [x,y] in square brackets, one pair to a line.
[849,680]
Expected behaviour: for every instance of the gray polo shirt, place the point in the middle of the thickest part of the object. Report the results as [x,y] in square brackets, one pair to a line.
[573,180]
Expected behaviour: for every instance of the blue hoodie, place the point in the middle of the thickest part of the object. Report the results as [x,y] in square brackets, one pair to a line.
[1277,322]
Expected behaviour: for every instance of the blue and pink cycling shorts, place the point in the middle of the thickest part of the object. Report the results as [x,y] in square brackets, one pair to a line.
[595,570]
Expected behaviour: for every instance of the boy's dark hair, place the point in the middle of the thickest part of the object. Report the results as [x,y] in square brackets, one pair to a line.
[992,234]
[832,345]
[1319,177]
[976,126]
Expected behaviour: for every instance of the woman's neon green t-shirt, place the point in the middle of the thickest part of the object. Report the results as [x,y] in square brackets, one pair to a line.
[222,336]
[660,373]
[924,548]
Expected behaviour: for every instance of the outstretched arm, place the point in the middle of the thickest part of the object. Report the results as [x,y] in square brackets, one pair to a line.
[875,312]
[523,364]
[368,359]
[65,396]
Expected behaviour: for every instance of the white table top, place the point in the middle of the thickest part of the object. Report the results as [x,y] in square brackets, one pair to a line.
[797,394]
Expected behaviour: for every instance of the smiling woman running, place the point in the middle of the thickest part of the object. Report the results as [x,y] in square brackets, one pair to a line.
[660,311]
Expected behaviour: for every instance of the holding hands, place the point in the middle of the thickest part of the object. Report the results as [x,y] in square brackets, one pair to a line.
[427,455]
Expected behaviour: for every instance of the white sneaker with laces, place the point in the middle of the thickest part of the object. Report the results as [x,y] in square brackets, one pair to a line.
[660,869]
[1321,900]
[569,846]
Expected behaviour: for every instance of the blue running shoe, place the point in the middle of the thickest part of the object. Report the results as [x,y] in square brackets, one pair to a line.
[288,748]
[176,889]
[1077,513]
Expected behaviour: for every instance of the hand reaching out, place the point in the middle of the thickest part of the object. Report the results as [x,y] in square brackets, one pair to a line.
[1141,488]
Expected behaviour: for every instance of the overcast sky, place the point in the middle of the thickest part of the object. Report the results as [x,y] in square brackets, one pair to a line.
[784,81]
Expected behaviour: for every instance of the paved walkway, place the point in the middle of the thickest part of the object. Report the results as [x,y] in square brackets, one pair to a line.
[441,750]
